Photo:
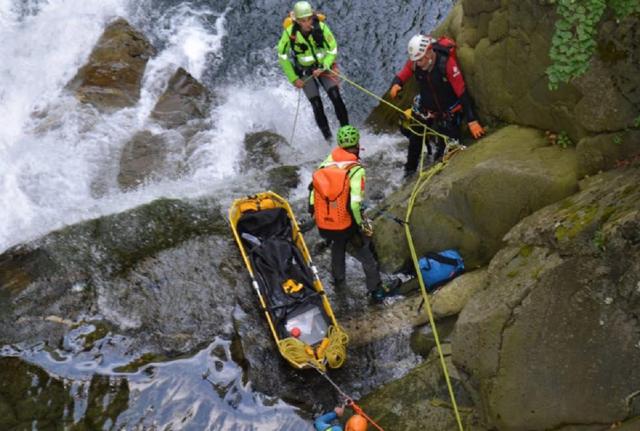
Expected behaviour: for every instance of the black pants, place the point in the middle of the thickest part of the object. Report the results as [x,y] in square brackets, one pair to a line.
[362,250]
[312,91]
[448,126]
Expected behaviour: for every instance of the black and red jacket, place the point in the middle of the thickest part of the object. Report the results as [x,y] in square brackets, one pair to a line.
[442,90]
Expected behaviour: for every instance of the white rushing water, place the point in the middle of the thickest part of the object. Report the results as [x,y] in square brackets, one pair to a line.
[55,152]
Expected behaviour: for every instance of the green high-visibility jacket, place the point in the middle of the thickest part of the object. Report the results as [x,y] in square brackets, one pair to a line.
[307,53]
[356,180]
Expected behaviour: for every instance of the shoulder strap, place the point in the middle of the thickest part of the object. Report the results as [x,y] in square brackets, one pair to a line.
[294,29]
[316,31]
[356,167]
[442,259]
[444,52]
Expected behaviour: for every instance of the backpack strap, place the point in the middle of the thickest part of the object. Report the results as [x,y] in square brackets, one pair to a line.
[356,167]
[443,47]
[442,259]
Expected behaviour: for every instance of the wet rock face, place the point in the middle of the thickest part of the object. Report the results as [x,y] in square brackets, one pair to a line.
[481,194]
[137,268]
[561,310]
[262,148]
[111,78]
[148,156]
[184,99]
[28,396]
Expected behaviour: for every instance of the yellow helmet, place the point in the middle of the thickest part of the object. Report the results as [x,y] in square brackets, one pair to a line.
[302,9]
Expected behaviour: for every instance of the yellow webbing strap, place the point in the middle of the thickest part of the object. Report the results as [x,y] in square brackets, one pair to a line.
[420,183]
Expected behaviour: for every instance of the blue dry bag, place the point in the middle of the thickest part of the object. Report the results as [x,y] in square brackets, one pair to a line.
[438,268]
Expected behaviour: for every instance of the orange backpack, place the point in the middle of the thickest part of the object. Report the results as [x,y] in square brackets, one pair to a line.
[332,191]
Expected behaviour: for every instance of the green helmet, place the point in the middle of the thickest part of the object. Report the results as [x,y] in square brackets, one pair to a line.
[348,136]
[302,9]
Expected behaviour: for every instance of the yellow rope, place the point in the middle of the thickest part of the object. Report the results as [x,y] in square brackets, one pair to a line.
[422,181]
[450,149]
[333,349]
[299,353]
[428,130]
[336,353]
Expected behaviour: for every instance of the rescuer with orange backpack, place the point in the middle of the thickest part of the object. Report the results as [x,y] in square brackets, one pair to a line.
[335,200]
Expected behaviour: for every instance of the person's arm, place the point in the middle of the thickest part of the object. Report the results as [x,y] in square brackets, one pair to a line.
[401,78]
[284,47]
[324,421]
[312,198]
[332,46]
[356,183]
[455,78]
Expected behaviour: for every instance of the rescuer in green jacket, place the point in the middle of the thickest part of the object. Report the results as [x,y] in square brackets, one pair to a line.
[307,53]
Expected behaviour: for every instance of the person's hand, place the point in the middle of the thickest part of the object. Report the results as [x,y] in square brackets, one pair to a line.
[299,83]
[476,129]
[407,114]
[395,89]
[339,411]
[317,72]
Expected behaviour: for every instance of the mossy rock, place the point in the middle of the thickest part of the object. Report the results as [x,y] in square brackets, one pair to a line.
[481,194]
[420,401]
[28,395]
[112,77]
[602,152]
[563,291]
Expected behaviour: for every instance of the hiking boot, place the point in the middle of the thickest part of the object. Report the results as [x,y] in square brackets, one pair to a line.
[385,290]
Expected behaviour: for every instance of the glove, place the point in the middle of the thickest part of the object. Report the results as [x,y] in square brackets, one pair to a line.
[395,89]
[476,129]
[367,226]
[407,114]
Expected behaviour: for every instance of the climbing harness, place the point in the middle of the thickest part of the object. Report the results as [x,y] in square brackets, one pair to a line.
[452,147]
[348,401]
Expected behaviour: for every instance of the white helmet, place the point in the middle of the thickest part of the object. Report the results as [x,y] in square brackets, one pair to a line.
[418,46]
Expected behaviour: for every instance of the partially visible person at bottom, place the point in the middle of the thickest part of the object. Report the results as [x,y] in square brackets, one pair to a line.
[307,53]
[335,200]
[443,97]
[327,422]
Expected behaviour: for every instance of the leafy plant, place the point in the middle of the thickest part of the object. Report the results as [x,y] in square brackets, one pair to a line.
[637,122]
[599,240]
[574,40]
[564,141]
[617,139]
